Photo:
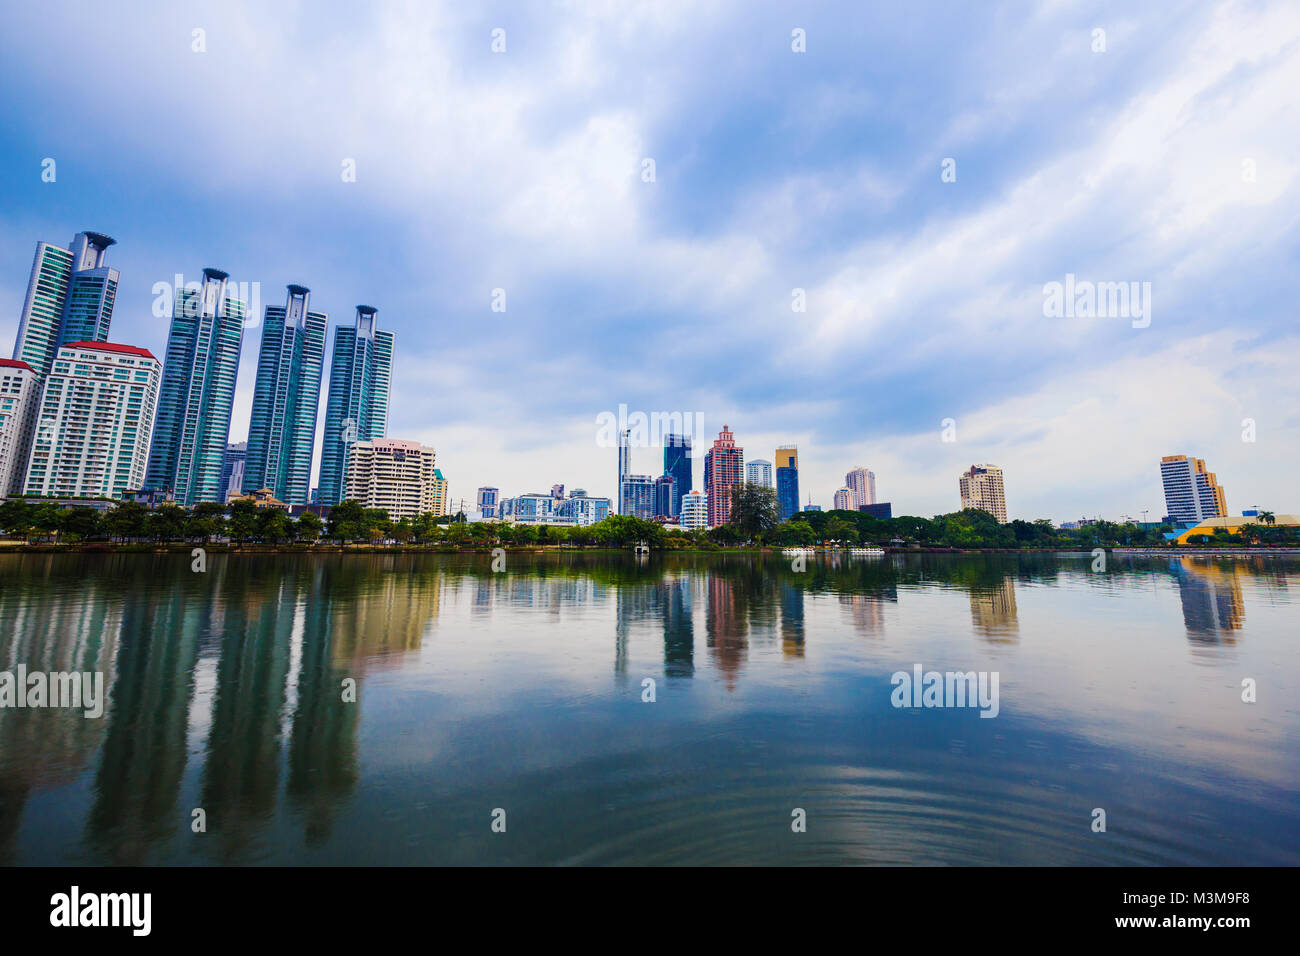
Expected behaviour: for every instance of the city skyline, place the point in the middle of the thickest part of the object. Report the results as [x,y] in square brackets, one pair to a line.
[924,298]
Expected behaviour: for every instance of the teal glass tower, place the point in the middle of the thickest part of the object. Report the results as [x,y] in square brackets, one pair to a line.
[361,374]
[197,393]
[69,298]
[282,429]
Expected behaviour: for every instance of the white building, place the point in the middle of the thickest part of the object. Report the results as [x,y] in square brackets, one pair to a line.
[695,511]
[93,424]
[395,475]
[578,510]
[862,485]
[20,394]
[759,472]
[844,500]
[1192,493]
[981,487]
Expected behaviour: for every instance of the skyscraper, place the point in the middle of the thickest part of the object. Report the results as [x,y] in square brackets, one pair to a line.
[69,299]
[361,373]
[759,472]
[678,464]
[282,428]
[862,484]
[198,392]
[638,497]
[232,470]
[398,476]
[624,465]
[487,501]
[97,407]
[1191,492]
[844,500]
[20,397]
[665,496]
[787,481]
[981,487]
[695,511]
[724,466]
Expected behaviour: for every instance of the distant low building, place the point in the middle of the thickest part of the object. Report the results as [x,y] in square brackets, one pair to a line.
[881,509]
[263,498]
[695,511]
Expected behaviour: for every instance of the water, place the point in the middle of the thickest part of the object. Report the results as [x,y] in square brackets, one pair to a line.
[523,691]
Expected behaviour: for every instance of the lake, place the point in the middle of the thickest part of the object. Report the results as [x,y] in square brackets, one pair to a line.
[678,709]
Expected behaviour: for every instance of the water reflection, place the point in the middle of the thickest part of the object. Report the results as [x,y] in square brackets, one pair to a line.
[225,689]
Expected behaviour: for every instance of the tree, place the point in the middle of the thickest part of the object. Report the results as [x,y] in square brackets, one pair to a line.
[309,527]
[754,511]
[16,517]
[47,520]
[243,521]
[274,525]
[166,523]
[128,520]
[345,520]
[838,529]
[206,520]
[79,524]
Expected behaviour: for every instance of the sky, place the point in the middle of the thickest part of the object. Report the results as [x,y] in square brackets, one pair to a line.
[915,176]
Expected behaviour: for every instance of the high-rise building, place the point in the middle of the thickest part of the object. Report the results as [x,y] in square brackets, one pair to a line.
[638,496]
[665,496]
[695,511]
[982,488]
[69,299]
[678,464]
[361,373]
[787,481]
[624,465]
[1191,492]
[862,484]
[20,397]
[232,469]
[487,501]
[440,493]
[282,428]
[198,392]
[844,500]
[395,475]
[92,433]
[724,469]
[759,472]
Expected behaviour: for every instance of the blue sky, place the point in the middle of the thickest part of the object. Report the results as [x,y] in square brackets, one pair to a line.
[775,170]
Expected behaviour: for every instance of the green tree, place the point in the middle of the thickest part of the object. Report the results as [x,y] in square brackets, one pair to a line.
[243,523]
[274,525]
[345,521]
[81,524]
[754,511]
[166,523]
[309,527]
[16,517]
[129,520]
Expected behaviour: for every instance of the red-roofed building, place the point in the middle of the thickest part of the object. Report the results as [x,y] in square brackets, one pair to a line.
[111,347]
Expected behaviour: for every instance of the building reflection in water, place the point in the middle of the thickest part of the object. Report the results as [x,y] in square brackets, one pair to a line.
[679,629]
[792,623]
[993,611]
[726,627]
[1213,606]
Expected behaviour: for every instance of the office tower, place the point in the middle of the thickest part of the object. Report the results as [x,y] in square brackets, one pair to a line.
[844,500]
[862,484]
[724,466]
[69,299]
[624,464]
[981,487]
[282,428]
[440,493]
[695,511]
[232,470]
[666,496]
[582,509]
[759,472]
[787,481]
[395,475]
[198,392]
[881,509]
[678,464]
[1191,492]
[20,396]
[361,372]
[638,496]
[92,433]
[487,501]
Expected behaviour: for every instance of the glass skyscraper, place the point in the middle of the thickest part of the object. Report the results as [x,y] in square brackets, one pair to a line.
[69,298]
[282,429]
[787,481]
[197,393]
[361,373]
[677,463]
